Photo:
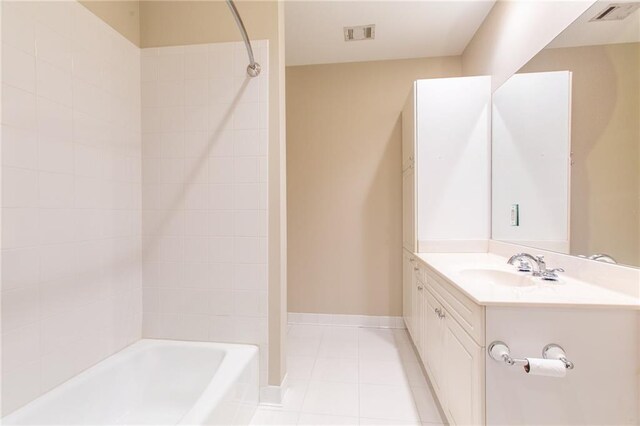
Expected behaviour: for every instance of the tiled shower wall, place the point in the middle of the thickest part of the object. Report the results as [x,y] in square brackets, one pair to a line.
[71,195]
[204,194]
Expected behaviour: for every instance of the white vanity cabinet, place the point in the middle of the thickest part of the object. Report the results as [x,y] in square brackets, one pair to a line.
[463,371]
[409,240]
[432,354]
[454,319]
[408,261]
[448,330]
[446,127]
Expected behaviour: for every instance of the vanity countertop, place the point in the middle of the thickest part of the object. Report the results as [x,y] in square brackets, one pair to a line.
[567,292]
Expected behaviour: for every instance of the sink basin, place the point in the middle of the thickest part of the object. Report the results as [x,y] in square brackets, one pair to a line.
[496,276]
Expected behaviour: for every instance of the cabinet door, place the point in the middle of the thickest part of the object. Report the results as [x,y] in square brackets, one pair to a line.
[433,344]
[408,131]
[421,318]
[463,368]
[407,272]
[414,306]
[408,210]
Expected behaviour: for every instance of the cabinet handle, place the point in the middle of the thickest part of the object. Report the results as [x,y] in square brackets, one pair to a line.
[416,269]
[413,259]
[439,312]
[419,287]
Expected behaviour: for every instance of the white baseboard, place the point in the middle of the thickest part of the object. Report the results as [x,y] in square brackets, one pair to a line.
[346,320]
[273,395]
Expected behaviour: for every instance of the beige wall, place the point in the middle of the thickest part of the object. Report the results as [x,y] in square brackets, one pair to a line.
[172,23]
[605,176]
[122,16]
[345,180]
[514,32]
[169,23]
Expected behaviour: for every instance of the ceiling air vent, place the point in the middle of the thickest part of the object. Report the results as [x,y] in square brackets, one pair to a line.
[362,32]
[616,12]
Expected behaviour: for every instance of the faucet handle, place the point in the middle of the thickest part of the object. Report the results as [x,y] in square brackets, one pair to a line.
[524,266]
[550,274]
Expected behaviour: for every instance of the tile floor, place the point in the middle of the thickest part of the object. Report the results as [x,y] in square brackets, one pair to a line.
[352,376]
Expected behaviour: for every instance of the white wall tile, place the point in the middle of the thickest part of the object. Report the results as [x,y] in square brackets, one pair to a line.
[18,107]
[170,67]
[53,47]
[247,116]
[195,92]
[219,253]
[19,187]
[221,196]
[53,83]
[71,123]
[55,121]
[196,65]
[20,227]
[246,196]
[18,69]
[20,307]
[18,27]
[221,302]
[20,268]
[19,147]
[24,381]
[56,15]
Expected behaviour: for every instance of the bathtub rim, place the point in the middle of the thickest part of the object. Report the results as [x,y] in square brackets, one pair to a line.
[235,359]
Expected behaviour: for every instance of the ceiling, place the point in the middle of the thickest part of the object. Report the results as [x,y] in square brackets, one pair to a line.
[404,29]
[584,33]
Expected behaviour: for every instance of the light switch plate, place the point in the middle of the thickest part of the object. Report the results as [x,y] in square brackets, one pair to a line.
[515,215]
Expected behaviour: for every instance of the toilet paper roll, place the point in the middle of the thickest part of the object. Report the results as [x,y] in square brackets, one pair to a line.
[545,367]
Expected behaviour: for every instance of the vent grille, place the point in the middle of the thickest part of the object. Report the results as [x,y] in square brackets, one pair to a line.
[615,12]
[362,32]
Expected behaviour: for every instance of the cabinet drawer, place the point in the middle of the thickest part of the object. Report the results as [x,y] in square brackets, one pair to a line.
[469,315]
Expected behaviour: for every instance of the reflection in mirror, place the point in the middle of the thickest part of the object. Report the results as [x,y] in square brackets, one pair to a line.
[566,143]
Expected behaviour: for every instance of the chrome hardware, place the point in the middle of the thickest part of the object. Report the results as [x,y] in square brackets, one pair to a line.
[439,312]
[526,258]
[524,266]
[499,351]
[526,261]
[253,69]
[602,257]
[550,274]
[553,351]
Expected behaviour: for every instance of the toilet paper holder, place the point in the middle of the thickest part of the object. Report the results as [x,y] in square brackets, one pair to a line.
[499,351]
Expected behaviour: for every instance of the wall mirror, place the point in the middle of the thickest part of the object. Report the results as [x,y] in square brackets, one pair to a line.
[566,142]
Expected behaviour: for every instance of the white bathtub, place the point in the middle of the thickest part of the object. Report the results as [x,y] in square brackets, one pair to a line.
[155,382]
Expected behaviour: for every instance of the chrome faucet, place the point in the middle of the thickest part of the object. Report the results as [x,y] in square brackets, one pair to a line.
[602,257]
[526,262]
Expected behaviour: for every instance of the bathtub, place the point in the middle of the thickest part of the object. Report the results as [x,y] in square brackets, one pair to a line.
[155,382]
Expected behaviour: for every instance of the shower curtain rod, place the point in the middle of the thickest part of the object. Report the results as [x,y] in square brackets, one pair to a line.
[253,69]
